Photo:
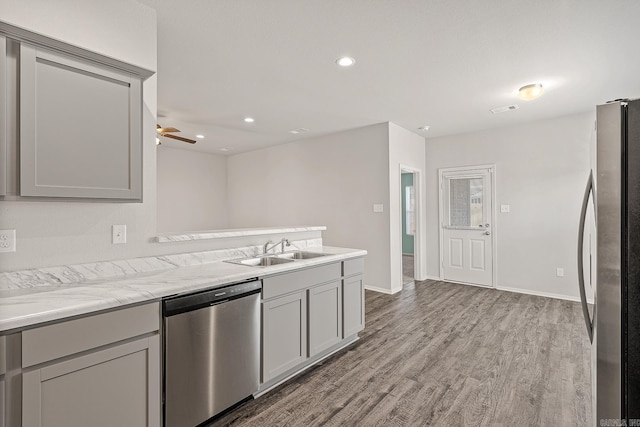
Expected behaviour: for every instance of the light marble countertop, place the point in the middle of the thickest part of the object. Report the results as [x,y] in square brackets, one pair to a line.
[27,307]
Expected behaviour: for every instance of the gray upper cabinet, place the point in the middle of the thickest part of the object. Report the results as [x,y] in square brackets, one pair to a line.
[80,127]
[3,115]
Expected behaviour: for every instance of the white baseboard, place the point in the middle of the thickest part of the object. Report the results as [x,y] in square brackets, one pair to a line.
[433,278]
[542,294]
[382,290]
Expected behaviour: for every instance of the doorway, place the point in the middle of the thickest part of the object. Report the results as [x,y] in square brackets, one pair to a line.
[467,238]
[408,232]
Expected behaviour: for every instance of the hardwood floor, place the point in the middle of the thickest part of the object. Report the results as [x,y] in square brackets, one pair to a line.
[407,269]
[442,354]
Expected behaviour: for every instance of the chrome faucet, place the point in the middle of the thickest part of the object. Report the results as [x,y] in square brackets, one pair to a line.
[266,248]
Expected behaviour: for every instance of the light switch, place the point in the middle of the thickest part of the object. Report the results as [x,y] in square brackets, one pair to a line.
[505,208]
[560,272]
[118,234]
[378,207]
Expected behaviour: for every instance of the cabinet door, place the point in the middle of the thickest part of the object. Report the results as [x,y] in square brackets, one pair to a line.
[3,116]
[353,309]
[2,404]
[325,317]
[80,128]
[284,334]
[119,386]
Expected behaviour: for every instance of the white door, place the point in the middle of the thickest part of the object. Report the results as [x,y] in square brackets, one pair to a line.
[467,243]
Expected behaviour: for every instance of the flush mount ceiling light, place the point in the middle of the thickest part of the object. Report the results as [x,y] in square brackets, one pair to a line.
[530,92]
[345,61]
[249,120]
[200,136]
[423,128]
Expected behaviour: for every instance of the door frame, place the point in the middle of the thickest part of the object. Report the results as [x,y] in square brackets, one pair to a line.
[492,209]
[419,262]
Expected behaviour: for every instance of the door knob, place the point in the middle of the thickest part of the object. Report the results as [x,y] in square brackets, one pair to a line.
[488,233]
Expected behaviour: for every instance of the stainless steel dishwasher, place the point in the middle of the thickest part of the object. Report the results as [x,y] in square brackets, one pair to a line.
[211,352]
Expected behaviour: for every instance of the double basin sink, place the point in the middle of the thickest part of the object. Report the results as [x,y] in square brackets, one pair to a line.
[271,259]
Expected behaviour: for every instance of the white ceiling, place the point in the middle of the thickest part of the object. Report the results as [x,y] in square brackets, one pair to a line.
[442,63]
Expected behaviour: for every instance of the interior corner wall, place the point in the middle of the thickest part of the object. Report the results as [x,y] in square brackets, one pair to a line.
[192,190]
[541,171]
[332,180]
[405,149]
[54,233]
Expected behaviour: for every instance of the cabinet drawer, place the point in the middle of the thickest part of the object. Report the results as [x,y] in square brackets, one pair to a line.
[353,266]
[299,280]
[62,339]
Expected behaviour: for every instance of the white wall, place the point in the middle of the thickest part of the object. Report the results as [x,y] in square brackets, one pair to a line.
[541,171]
[332,180]
[405,149]
[192,190]
[51,233]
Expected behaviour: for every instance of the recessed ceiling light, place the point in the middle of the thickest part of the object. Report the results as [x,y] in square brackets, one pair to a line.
[345,61]
[294,131]
[225,149]
[423,128]
[249,120]
[530,92]
[200,136]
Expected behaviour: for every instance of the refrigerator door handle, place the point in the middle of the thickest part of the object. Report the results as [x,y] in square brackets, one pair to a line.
[583,217]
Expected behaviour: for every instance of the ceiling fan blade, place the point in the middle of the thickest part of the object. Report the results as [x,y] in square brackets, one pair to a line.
[179,138]
[165,130]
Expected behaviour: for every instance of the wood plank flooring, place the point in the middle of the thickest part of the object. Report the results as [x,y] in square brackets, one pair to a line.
[407,269]
[440,354]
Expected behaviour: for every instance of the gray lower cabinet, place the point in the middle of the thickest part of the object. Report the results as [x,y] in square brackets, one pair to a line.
[284,331]
[104,388]
[353,305]
[99,370]
[325,316]
[2,404]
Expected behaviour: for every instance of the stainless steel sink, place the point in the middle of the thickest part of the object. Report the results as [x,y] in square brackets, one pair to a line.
[301,255]
[264,261]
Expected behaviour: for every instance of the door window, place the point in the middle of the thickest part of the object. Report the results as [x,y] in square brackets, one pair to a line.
[466,200]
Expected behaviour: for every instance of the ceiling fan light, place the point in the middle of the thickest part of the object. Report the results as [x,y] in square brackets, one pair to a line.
[530,92]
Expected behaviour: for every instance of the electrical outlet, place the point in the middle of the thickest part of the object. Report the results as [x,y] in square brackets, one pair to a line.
[560,272]
[505,208]
[7,240]
[378,207]
[118,234]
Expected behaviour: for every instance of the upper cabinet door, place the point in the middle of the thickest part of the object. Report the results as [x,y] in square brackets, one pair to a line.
[3,115]
[80,128]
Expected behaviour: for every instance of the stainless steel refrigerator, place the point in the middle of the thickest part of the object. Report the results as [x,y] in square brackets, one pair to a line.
[613,322]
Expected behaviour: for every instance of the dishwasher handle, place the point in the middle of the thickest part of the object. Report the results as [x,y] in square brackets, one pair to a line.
[194,301]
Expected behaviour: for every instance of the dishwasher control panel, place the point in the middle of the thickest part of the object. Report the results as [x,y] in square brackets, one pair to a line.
[189,302]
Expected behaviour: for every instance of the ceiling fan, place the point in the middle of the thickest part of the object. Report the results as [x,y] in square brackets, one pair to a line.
[167,131]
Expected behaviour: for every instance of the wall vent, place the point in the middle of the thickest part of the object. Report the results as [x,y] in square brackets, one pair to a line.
[504,109]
